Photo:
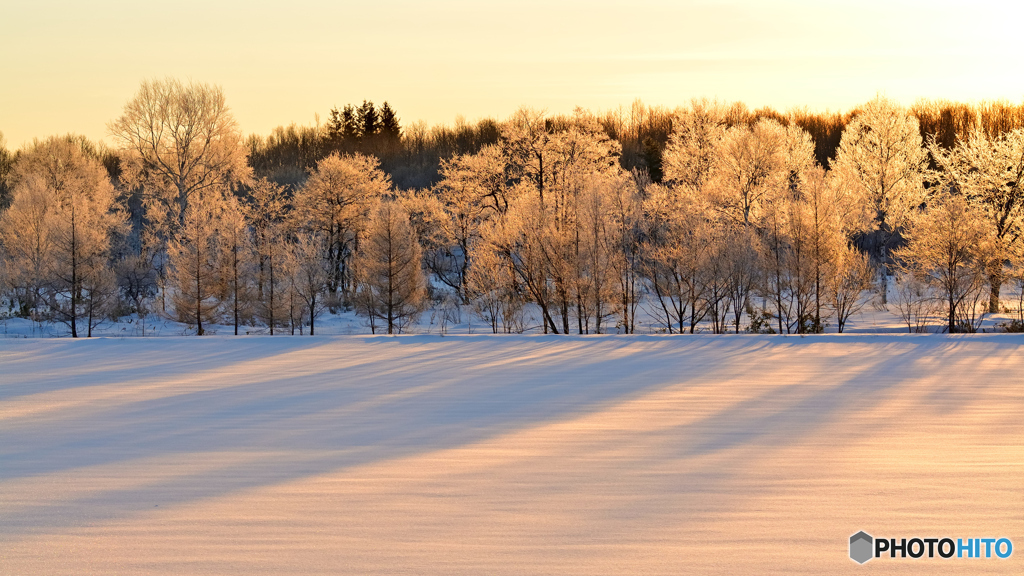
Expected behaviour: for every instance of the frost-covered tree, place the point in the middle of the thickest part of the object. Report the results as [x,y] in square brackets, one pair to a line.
[603,282]
[679,242]
[849,274]
[794,239]
[310,276]
[778,262]
[176,140]
[138,282]
[990,171]
[917,302]
[623,208]
[881,163]
[390,284]
[800,265]
[948,246]
[691,154]
[492,287]
[25,235]
[473,188]
[237,263]
[717,288]
[549,164]
[552,156]
[193,258]
[755,165]
[824,227]
[741,256]
[520,238]
[71,213]
[266,214]
[334,204]
[276,269]
[525,146]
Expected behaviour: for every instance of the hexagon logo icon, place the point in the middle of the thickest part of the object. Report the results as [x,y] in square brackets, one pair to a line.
[861,545]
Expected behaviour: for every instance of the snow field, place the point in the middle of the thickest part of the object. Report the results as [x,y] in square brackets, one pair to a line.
[505,455]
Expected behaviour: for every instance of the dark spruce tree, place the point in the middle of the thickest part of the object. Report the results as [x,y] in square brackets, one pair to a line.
[343,130]
[335,128]
[389,126]
[350,124]
[6,163]
[368,120]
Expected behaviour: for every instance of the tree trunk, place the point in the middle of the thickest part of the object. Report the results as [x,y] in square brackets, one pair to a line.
[952,315]
[74,280]
[199,310]
[778,297]
[995,282]
[565,314]
[312,318]
[579,312]
[548,320]
[817,293]
[235,274]
[270,287]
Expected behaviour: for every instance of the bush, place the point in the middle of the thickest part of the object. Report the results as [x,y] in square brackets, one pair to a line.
[1014,326]
[761,323]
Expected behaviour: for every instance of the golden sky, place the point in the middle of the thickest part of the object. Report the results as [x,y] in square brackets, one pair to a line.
[69,66]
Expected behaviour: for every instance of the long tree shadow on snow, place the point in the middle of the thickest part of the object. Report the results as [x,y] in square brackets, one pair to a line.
[427,396]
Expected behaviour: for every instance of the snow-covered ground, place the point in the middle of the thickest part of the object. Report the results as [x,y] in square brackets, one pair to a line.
[870,319]
[505,455]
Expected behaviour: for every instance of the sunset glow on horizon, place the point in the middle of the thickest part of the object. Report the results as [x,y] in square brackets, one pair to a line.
[70,67]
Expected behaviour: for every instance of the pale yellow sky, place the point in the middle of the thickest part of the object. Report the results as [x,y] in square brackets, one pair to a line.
[69,66]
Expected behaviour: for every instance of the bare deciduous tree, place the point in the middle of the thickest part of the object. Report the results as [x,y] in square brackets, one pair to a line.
[179,139]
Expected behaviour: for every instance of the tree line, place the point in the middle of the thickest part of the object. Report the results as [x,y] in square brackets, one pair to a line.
[708,217]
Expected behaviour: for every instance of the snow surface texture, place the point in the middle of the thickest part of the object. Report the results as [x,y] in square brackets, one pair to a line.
[505,455]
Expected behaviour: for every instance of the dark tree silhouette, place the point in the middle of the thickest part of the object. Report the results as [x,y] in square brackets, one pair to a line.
[389,126]
[368,120]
